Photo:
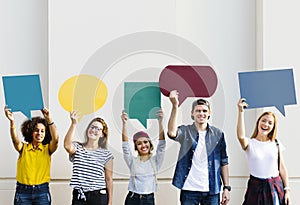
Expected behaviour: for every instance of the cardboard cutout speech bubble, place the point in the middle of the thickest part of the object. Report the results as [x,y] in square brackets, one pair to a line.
[23,93]
[268,88]
[142,100]
[83,93]
[190,81]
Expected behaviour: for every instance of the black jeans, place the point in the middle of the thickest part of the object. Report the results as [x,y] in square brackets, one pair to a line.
[97,197]
[139,199]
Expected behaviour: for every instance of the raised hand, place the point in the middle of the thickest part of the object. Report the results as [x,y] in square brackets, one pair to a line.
[8,113]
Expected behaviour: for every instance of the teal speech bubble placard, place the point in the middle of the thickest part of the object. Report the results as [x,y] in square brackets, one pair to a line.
[23,93]
[142,100]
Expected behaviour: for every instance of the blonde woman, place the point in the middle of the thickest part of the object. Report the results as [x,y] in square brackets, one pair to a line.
[268,182]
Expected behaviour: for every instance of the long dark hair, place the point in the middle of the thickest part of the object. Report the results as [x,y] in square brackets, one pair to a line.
[102,140]
[28,127]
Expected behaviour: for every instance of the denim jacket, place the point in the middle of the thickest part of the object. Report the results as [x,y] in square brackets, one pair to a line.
[187,136]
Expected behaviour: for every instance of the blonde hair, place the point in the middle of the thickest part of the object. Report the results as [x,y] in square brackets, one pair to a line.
[272,134]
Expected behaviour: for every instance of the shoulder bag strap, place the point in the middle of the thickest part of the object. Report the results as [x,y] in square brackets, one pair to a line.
[278,154]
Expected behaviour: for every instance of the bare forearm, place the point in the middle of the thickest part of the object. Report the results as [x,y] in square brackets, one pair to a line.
[124,132]
[161,130]
[225,174]
[68,139]
[14,137]
[55,137]
[284,174]
[241,130]
[109,186]
[172,123]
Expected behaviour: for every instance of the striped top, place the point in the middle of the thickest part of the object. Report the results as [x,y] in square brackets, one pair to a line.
[88,168]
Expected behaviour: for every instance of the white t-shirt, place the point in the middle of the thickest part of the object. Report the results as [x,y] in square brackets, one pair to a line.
[263,158]
[198,179]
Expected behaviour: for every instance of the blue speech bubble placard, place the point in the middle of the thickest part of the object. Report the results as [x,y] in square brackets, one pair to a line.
[142,100]
[268,88]
[23,93]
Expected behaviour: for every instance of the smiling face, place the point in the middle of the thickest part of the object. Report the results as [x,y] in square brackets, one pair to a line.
[200,114]
[38,134]
[265,125]
[143,146]
[94,131]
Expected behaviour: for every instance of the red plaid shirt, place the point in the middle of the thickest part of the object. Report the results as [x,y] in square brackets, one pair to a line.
[262,191]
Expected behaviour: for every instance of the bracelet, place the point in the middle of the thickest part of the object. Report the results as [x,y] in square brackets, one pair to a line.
[51,123]
[13,126]
[286,188]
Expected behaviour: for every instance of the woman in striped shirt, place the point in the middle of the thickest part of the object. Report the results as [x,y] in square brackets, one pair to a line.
[92,164]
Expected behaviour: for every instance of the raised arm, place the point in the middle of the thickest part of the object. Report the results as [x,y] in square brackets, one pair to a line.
[124,117]
[68,145]
[241,124]
[54,135]
[160,117]
[18,145]
[172,123]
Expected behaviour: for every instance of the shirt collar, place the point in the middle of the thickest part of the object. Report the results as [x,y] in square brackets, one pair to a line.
[30,147]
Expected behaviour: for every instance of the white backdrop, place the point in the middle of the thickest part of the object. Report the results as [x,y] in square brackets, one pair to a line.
[227,33]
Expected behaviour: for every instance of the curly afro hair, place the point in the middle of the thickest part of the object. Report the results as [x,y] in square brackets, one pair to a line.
[28,127]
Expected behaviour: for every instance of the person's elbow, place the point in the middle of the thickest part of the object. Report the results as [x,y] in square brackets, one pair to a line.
[172,134]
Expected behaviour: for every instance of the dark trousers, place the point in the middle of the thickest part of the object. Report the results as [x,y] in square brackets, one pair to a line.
[97,197]
[139,199]
[196,197]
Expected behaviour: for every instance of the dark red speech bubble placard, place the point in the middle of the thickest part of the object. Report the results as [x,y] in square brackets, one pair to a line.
[189,80]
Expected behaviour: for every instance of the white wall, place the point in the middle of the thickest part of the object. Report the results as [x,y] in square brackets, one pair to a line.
[281,44]
[23,50]
[79,32]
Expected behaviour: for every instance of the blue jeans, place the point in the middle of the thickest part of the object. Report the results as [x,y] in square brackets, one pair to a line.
[32,195]
[196,197]
[139,199]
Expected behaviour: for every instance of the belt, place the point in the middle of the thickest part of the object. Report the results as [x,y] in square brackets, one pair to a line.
[136,195]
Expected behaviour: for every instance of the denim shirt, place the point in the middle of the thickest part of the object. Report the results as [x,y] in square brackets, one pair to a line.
[187,136]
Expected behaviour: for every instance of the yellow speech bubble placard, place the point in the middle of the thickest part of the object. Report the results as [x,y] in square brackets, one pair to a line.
[83,93]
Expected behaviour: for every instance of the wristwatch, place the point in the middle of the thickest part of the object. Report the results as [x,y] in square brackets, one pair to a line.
[227,187]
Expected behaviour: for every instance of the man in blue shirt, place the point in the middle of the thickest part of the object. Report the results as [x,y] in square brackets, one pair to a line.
[202,160]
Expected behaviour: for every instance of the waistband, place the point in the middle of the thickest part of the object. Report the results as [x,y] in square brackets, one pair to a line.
[37,186]
[81,195]
[264,179]
[102,191]
[136,195]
